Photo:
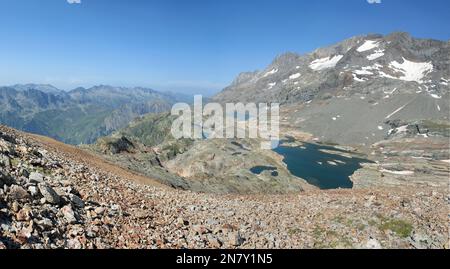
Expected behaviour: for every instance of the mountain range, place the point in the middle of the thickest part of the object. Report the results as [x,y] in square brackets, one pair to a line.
[366,119]
[347,92]
[359,94]
[81,115]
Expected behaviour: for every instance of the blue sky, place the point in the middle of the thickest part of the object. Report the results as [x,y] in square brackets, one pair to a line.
[195,46]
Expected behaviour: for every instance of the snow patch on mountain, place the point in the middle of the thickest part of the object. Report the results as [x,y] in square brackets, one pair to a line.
[368,45]
[402,173]
[324,63]
[412,71]
[384,75]
[363,72]
[358,79]
[377,54]
[295,76]
[396,111]
[271,85]
[271,72]
[435,96]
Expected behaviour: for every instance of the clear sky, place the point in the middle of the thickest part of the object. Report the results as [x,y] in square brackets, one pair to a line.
[195,46]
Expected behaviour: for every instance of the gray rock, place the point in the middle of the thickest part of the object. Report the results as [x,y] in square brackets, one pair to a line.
[73,244]
[24,172]
[69,214]
[36,177]
[33,190]
[77,201]
[5,161]
[49,194]
[44,223]
[372,243]
[18,193]
[420,241]
[6,179]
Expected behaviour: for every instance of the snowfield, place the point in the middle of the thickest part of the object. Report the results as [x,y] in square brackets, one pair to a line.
[435,96]
[412,71]
[363,72]
[325,63]
[271,72]
[377,54]
[295,76]
[368,45]
[357,79]
[271,85]
[402,173]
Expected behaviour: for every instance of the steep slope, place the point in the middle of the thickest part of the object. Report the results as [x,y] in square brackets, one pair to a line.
[81,115]
[345,93]
[56,196]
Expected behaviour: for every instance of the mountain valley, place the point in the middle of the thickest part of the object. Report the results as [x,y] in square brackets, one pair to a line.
[363,161]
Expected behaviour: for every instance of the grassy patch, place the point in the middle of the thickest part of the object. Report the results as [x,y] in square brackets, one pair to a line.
[15,162]
[339,219]
[293,231]
[326,239]
[400,227]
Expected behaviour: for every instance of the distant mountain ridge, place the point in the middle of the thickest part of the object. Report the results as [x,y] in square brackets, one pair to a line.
[81,115]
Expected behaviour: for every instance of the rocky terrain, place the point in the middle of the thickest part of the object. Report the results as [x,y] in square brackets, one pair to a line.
[56,196]
[214,166]
[345,93]
[380,99]
[379,96]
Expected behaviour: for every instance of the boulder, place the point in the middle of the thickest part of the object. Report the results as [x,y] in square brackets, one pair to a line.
[49,194]
[6,179]
[18,193]
[36,177]
[69,214]
[76,201]
[5,161]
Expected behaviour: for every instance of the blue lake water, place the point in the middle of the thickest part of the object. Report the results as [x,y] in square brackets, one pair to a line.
[259,169]
[322,169]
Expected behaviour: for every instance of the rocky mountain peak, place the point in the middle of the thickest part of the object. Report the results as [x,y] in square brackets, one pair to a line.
[244,77]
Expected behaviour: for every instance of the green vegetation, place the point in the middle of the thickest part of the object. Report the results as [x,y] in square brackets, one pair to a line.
[400,227]
[150,130]
[75,125]
[327,239]
[15,162]
[293,231]
[437,127]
